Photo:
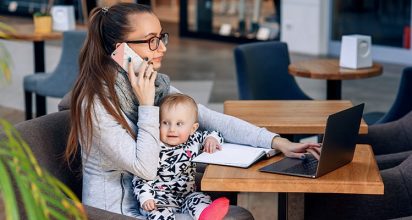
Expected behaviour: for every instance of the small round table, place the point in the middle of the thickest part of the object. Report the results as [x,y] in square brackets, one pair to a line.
[330,70]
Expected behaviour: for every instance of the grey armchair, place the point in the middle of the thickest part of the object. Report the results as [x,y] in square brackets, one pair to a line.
[395,203]
[392,144]
[47,136]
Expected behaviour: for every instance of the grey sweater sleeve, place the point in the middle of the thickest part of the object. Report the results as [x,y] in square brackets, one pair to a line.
[140,156]
[234,130]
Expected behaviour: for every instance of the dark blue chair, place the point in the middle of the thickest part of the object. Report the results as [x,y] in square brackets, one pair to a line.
[60,81]
[262,72]
[401,106]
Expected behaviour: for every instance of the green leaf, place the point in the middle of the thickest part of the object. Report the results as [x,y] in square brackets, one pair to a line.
[43,195]
[5,58]
[5,153]
[75,202]
[57,215]
[6,28]
[32,209]
[65,189]
[6,188]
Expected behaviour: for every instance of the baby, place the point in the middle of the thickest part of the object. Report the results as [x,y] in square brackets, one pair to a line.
[173,190]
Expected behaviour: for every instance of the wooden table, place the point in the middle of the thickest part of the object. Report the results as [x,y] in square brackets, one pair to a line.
[283,117]
[289,117]
[330,70]
[25,32]
[258,190]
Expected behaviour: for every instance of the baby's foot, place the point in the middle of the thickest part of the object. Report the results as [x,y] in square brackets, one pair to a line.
[216,210]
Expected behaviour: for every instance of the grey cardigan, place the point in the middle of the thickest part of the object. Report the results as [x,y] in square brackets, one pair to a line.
[115,157]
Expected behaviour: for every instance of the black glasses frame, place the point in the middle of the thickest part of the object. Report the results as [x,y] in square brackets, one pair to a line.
[164,37]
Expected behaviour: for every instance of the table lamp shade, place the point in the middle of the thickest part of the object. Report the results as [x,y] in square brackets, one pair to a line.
[63,17]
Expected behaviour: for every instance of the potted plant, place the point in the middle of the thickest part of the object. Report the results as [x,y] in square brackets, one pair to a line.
[43,20]
[42,195]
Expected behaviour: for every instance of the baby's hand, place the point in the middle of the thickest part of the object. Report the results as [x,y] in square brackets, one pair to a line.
[149,205]
[211,145]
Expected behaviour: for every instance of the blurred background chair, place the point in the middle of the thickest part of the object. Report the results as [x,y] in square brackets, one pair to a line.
[262,72]
[401,106]
[395,203]
[391,141]
[392,145]
[60,81]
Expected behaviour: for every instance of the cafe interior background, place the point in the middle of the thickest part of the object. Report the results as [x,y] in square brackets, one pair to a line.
[204,33]
[200,55]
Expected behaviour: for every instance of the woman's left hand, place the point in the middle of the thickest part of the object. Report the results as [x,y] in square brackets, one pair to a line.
[144,83]
[211,145]
[296,150]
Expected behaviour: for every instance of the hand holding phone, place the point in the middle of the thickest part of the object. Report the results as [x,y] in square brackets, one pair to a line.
[143,84]
[122,54]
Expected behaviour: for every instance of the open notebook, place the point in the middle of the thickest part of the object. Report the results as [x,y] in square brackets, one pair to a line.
[235,155]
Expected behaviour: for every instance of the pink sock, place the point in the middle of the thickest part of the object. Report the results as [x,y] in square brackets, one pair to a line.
[216,210]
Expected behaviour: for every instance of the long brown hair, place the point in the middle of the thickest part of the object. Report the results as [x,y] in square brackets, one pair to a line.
[106,27]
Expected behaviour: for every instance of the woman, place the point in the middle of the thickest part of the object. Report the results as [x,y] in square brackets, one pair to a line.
[115,116]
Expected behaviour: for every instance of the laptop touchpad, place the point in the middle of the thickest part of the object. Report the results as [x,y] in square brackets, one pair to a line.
[281,165]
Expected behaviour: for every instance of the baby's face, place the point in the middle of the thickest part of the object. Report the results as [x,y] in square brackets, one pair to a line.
[177,123]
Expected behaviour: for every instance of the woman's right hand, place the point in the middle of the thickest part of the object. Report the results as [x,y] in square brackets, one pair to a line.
[296,150]
[143,83]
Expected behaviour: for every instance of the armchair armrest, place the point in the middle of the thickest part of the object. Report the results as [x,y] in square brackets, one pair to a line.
[391,137]
[386,161]
[99,214]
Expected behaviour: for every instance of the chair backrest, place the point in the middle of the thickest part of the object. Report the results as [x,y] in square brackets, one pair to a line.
[63,77]
[406,169]
[390,137]
[262,72]
[47,138]
[403,102]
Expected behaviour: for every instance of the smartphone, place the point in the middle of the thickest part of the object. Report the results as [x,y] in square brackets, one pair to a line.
[121,56]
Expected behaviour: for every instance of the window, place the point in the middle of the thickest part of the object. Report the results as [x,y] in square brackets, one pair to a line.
[388,22]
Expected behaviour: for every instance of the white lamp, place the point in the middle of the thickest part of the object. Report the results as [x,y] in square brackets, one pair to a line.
[356,51]
[63,17]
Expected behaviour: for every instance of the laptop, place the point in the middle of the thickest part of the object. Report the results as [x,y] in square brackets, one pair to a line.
[338,147]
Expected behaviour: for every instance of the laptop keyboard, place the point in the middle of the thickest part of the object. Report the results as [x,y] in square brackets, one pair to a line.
[307,167]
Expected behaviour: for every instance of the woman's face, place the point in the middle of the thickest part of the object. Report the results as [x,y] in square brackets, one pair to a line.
[146,26]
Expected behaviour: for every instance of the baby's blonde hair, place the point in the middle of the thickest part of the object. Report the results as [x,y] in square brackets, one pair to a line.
[175,99]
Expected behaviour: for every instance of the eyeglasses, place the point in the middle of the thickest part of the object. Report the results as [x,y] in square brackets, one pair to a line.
[153,42]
